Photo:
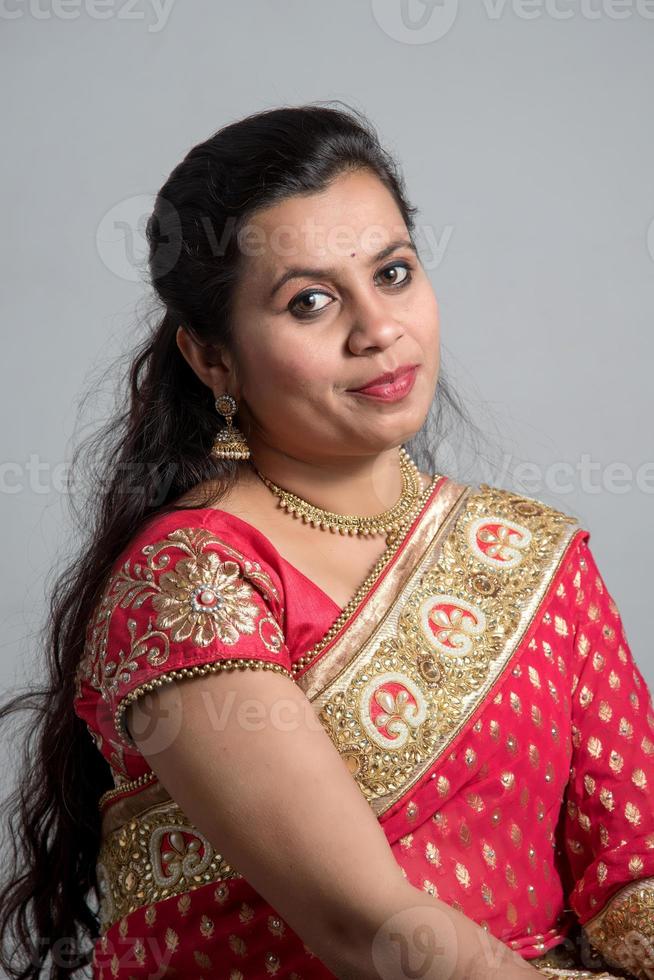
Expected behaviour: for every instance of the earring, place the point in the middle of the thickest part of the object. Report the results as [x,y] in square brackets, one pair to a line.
[230,442]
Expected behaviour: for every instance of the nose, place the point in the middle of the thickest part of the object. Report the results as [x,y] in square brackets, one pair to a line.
[373,327]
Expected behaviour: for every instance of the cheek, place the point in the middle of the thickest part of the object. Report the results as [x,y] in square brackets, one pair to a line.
[295,371]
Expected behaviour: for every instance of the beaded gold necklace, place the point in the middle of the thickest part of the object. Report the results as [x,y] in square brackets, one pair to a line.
[390,522]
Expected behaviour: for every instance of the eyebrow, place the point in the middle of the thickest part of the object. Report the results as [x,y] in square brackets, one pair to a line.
[309,272]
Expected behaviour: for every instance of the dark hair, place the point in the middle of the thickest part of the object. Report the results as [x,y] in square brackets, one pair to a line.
[154,448]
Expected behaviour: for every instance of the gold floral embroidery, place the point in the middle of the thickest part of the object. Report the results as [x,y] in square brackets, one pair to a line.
[397,719]
[201,597]
[623,932]
[154,855]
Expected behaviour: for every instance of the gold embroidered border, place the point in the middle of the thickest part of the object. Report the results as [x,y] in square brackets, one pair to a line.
[154,854]
[438,692]
[623,931]
[574,974]
[430,529]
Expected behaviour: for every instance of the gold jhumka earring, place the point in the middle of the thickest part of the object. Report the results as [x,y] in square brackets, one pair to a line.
[230,442]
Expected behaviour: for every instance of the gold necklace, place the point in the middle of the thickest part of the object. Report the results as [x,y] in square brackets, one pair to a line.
[390,522]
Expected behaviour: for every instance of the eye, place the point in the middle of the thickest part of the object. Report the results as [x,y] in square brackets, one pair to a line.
[405,280]
[304,298]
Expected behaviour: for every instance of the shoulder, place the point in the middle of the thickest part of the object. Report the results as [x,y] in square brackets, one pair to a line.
[196,547]
[186,596]
[504,527]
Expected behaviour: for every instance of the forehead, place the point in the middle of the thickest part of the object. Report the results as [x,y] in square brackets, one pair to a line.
[355,213]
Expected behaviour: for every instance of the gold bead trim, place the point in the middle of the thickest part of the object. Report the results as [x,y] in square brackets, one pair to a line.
[126,787]
[236,663]
[365,586]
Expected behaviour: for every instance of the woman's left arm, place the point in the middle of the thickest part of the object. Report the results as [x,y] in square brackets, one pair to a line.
[609,804]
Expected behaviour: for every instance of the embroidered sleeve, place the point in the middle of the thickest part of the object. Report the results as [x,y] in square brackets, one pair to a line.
[609,806]
[182,604]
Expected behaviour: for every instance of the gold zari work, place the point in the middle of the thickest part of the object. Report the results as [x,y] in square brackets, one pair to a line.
[623,931]
[154,855]
[393,709]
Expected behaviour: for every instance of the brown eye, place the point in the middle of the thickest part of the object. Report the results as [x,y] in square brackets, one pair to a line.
[403,280]
[297,307]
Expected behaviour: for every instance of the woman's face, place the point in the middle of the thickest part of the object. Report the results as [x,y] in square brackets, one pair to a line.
[318,311]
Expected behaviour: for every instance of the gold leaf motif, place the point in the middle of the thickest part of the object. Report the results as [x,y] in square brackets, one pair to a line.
[585,696]
[202,960]
[614,681]
[237,945]
[462,875]
[639,779]
[489,855]
[560,626]
[184,904]
[605,712]
[632,813]
[246,912]
[583,645]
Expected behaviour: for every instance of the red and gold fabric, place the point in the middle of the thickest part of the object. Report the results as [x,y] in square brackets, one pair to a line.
[479,687]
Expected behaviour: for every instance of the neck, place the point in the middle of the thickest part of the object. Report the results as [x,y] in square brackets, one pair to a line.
[361,485]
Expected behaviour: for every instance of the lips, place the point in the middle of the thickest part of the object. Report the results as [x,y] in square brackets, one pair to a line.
[386,378]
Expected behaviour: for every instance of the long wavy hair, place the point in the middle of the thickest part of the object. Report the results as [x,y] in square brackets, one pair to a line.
[154,448]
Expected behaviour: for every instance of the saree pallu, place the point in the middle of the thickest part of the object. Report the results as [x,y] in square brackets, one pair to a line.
[480,689]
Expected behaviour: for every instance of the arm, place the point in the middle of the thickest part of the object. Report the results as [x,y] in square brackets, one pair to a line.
[609,818]
[274,796]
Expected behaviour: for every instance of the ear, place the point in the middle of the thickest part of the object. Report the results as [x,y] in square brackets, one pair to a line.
[212,363]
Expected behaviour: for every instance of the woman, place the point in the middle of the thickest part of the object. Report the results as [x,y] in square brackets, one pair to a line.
[316,711]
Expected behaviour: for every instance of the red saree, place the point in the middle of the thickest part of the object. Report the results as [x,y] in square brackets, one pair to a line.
[480,688]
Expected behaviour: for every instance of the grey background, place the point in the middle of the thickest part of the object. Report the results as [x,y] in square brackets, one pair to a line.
[525,140]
